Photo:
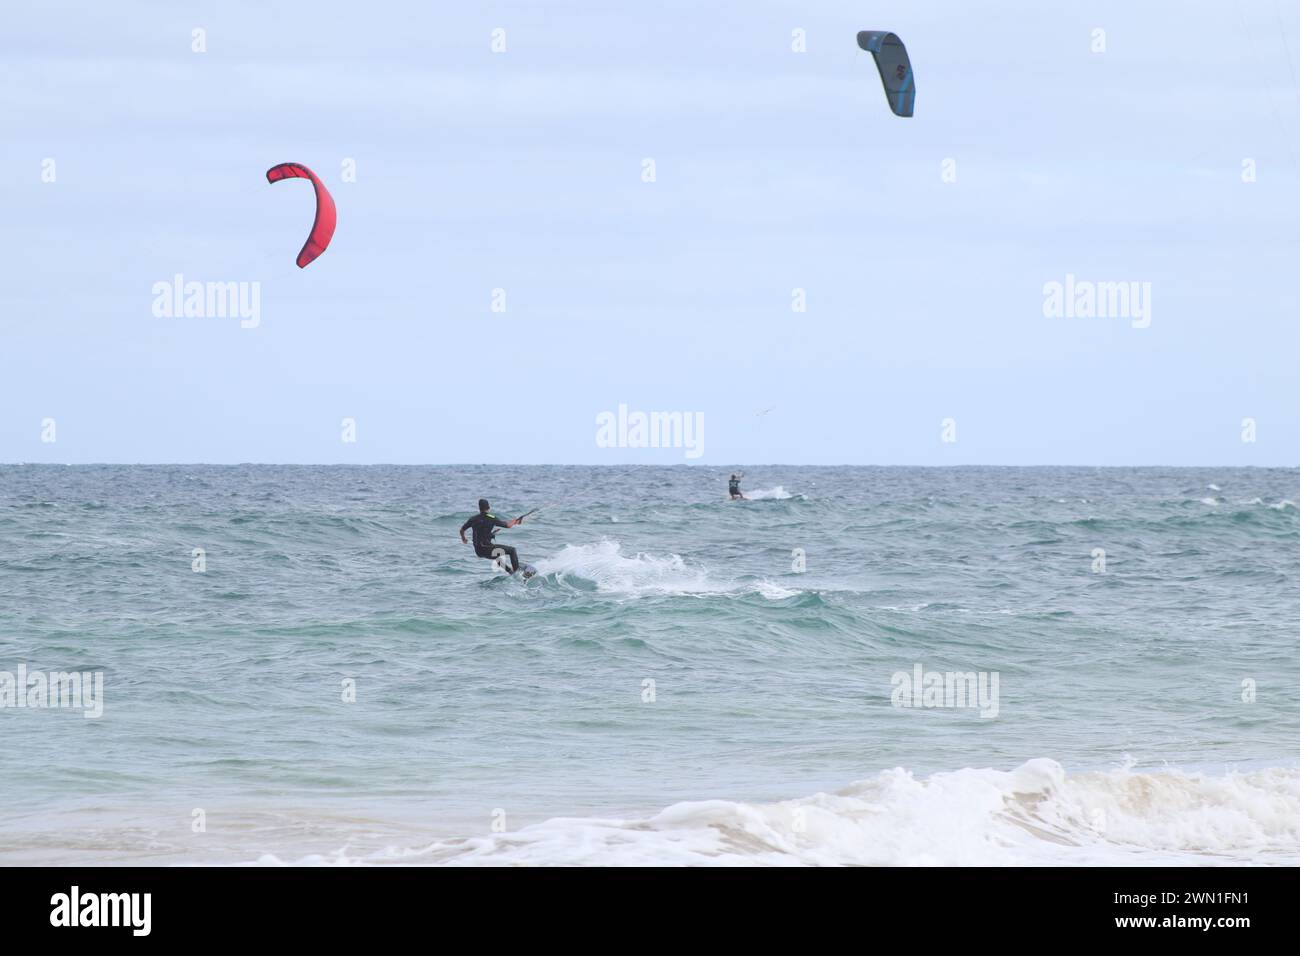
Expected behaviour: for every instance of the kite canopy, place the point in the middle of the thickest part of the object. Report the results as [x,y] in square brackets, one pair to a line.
[894,66]
[322,230]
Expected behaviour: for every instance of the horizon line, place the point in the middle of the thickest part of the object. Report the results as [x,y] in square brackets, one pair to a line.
[393,464]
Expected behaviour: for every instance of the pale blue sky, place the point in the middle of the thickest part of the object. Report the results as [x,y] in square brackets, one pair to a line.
[775,170]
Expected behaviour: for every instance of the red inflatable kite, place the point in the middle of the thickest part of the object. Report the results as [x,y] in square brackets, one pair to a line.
[322,230]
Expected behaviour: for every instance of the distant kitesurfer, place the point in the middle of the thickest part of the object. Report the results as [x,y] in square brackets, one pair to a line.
[733,486]
[485,525]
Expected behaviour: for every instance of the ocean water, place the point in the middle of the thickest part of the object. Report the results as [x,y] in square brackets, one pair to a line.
[671,688]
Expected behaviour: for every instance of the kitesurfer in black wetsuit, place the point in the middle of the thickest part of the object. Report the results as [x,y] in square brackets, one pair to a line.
[484,525]
[733,486]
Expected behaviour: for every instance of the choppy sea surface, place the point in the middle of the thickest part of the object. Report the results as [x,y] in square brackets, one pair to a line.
[688,680]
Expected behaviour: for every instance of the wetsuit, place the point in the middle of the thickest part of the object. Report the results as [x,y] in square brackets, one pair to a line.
[484,525]
[733,485]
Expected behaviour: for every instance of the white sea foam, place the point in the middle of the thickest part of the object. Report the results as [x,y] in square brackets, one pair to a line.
[604,565]
[770,494]
[1036,814]
[1275,505]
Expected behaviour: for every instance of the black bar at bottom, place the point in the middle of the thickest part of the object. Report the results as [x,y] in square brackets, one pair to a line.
[331,906]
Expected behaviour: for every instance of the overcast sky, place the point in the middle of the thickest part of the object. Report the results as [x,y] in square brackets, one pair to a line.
[775,171]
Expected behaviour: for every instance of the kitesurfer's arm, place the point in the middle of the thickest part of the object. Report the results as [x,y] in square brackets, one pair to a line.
[462,531]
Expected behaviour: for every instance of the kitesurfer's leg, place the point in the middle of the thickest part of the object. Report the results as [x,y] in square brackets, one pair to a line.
[497,550]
